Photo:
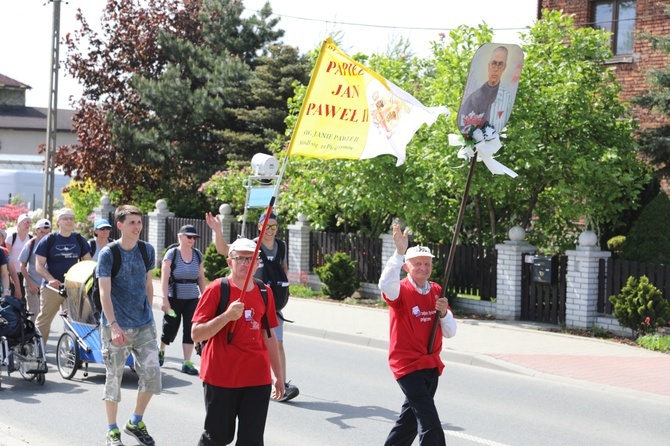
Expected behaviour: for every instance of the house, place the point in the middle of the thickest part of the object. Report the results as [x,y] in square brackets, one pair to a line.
[633,56]
[22,131]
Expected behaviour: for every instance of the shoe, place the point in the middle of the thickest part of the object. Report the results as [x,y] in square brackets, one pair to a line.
[187,367]
[161,357]
[113,438]
[140,433]
[290,392]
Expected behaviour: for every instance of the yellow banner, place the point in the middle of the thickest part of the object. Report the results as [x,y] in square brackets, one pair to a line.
[351,112]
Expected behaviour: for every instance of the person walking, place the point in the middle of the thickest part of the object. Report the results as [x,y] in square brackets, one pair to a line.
[127,324]
[414,303]
[15,243]
[31,278]
[238,356]
[182,282]
[54,256]
[273,271]
[101,231]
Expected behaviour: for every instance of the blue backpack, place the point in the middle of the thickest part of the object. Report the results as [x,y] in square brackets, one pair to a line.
[10,311]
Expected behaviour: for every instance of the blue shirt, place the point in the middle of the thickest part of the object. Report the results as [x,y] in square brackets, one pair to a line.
[65,252]
[129,292]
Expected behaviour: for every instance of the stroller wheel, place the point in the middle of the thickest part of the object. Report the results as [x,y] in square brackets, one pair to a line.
[40,378]
[67,355]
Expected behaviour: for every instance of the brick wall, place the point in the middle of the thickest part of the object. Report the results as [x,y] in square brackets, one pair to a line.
[650,18]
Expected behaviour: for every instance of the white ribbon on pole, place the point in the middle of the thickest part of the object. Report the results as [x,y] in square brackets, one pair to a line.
[486,143]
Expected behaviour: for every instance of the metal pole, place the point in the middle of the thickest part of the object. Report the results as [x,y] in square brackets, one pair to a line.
[452,248]
[52,127]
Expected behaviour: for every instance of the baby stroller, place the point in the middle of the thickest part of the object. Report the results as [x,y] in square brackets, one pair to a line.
[21,346]
[80,342]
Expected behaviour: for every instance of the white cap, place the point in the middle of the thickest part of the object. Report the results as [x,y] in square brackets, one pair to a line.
[418,251]
[43,223]
[242,244]
[63,212]
[22,217]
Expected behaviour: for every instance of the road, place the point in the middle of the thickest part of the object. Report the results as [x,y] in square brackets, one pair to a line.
[348,397]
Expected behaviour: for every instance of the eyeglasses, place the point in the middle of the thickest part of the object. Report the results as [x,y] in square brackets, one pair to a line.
[190,237]
[497,63]
[243,260]
[272,227]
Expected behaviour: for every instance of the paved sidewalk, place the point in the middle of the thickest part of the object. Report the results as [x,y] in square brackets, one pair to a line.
[510,346]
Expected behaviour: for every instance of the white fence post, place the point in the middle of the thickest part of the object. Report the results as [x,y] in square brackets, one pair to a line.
[508,297]
[157,228]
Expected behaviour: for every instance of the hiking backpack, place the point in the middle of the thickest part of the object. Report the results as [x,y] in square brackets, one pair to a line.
[94,245]
[172,281]
[10,311]
[274,274]
[94,293]
[223,303]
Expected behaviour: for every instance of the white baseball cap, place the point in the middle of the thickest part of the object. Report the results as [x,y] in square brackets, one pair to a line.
[242,244]
[43,223]
[418,251]
[22,218]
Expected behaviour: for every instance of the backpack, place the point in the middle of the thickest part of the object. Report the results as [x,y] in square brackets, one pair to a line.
[172,281]
[274,274]
[16,234]
[10,311]
[31,246]
[94,245]
[223,303]
[51,239]
[94,293]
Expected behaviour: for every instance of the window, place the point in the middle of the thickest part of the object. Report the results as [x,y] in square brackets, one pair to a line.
[617,17]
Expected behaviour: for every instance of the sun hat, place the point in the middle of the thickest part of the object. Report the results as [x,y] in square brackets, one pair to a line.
[418,251]
[101,223]
[43,223]
[242,244]
[188,230]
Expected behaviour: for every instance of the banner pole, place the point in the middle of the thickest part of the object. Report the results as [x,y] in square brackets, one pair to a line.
[452,248]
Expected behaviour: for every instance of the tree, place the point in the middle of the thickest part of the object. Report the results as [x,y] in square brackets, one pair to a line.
[172,91]
[648,239]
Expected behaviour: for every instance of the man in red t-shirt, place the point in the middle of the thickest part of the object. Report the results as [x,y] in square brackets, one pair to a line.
[414,303]
[236,374]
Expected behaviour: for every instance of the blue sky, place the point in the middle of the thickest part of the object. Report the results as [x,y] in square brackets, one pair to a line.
[366,26]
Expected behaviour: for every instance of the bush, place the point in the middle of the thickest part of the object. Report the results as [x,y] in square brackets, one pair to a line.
[640,306]
[338,275]
[615,244]
[215,264]
[649,238]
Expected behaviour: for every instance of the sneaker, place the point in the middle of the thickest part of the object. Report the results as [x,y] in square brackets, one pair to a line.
[290,392]
[187,367]
[140,433]
[113,438]
[161,357]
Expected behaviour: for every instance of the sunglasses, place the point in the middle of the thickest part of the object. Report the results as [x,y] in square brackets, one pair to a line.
[272,227]
[190,237]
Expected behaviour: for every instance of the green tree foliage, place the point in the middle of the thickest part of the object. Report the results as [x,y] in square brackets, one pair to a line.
[338,275]
[640,306]
[214,263]
[649,240]
[174,89]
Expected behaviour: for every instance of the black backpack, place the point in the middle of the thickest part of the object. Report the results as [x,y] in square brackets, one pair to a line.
[94,245]
[273,274]
[94,293]
[223,303]
[10,311]
[31,247]
[16,234]
[172,281]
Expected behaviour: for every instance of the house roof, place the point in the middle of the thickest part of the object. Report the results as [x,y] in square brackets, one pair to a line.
[6,81]
[33,118]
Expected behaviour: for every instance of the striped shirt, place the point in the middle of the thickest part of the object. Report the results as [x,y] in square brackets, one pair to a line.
[184,271]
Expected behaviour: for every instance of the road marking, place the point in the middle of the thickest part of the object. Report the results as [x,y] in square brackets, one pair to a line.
[474,439]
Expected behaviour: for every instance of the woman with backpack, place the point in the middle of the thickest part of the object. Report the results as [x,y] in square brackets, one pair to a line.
[101,230]
[182,281]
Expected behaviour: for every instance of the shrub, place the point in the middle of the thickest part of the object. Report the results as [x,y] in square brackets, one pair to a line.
[615,244]
[649,238]
[640,306]
[338,275]
[215,264]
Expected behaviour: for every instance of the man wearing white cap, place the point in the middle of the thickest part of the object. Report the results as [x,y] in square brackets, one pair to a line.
[236,361]
[31,278]
[414,302]
[15,244]
[54,256]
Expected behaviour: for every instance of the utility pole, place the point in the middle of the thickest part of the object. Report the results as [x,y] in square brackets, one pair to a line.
[52,126]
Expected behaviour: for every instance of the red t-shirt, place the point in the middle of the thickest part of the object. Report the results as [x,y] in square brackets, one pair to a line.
[243,362]
[411,319]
